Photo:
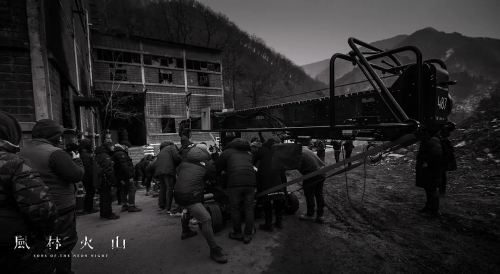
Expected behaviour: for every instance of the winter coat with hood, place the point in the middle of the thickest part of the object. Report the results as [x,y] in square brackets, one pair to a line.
[103,158]
[58,170]
[123,166]
[167,160]
[429,167]
[237,162]
[25,204]
[193,173]
[267,177]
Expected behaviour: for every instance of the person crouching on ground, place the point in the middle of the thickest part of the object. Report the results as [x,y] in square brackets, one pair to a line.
[268,178]
[193,173]
[313,187]
[166,164]
[124,174]
[236,161]
[140,170]
[429,170]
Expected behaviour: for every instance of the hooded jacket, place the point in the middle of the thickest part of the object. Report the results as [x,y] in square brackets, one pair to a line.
[103,158]
[193,173]
[140,168]
[167,160]
[25,204]
[123,166]
[237,162]
[266,176]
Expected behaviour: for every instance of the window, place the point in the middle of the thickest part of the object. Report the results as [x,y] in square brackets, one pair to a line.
[205,66]
[164,76]
[117,72]
[203,79]
[118,56]
[147,59]
[180,63]
[168,125]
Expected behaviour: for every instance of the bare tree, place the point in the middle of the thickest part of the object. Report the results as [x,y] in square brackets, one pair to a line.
[259,84]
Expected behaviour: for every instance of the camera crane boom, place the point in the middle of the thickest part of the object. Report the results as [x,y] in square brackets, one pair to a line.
[417,100]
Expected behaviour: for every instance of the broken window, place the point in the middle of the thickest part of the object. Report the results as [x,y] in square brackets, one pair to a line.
[167,125]
[203,80]
[165,77]
[117,72]
[180,63]
[147,59]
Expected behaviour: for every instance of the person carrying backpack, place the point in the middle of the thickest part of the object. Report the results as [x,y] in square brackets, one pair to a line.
[449,161]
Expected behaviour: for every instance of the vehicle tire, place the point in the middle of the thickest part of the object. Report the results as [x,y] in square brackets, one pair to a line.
[217,218]
[292,204]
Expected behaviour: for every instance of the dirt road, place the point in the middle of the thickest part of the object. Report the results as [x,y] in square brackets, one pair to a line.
[382,234]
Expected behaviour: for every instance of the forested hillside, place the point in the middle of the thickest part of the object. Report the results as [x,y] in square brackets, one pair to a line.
[254,74]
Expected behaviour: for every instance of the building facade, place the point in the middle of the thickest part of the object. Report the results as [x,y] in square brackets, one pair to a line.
[150,82]
[45,64]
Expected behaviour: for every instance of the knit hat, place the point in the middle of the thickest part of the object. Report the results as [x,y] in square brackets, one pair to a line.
[107,145]
[47,129]
[165,143]
[10,130]
[86,144]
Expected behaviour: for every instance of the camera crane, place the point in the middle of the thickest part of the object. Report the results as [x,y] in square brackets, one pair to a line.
[418,100]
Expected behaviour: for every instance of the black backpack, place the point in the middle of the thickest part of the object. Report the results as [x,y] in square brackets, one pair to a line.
[449,161]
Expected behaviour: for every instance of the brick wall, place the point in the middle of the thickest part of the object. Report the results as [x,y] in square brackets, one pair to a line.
[151,75]
[199,102]
[165,105]
[206,91]
[119,86]
[165,89]
[16,87]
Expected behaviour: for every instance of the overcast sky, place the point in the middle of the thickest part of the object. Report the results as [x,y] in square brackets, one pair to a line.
[307,31]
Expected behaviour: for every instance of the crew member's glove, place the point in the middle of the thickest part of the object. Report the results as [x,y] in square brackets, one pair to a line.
[75,155]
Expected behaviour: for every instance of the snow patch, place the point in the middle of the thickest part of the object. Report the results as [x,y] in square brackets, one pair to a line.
[448,53]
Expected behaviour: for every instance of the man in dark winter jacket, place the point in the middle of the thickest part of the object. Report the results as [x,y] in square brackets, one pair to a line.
[166,163]
[336,150]
[193,173]
[348,147]
[320,150]
[25,207]
[237,162]
[313,187]
[60,172]
[449,162]
[428,172]
[105,180]
[268,178]
[124,174]
[88,178]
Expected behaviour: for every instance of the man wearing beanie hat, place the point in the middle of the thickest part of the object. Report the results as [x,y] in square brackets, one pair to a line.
[60,172]
[85,150]
[124,174]
[29,208]
[166,164]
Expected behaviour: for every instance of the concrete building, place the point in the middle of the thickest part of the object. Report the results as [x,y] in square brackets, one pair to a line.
[151,79]
[45,64]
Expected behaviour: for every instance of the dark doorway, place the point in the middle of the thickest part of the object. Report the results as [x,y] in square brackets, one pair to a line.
[132,128]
